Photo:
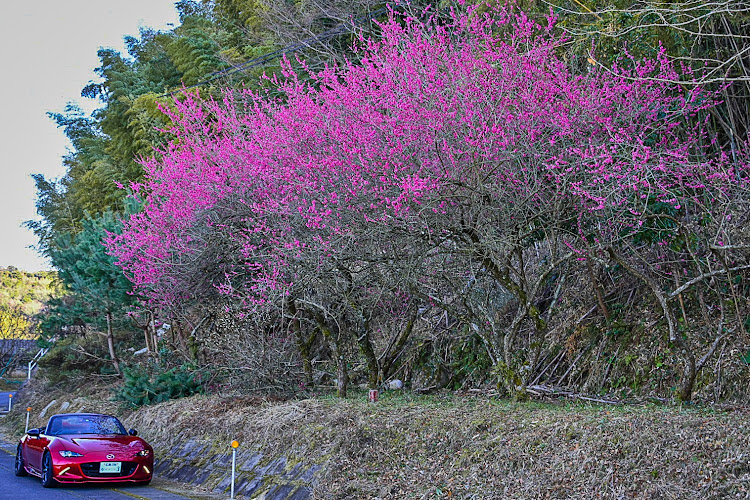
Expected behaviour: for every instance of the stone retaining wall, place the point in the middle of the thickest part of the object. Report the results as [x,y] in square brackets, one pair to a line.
[257,476]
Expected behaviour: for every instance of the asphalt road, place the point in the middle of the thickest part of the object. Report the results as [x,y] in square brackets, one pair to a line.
[4,396]
[30,488]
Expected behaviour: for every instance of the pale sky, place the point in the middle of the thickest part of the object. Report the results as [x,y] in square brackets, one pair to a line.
[47,55]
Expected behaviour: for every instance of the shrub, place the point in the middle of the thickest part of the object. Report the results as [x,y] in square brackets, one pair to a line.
[144,387]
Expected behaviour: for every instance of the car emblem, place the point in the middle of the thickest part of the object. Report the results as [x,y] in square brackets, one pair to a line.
[110,456]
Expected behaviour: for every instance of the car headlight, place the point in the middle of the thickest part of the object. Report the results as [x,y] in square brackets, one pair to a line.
[143,453]
[69,454]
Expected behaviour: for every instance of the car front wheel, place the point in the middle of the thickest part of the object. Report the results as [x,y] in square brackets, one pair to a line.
[20,470]
[48,474]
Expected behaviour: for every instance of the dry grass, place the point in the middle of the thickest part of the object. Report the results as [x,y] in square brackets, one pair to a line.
[454,446]
[461,447]
[489,449]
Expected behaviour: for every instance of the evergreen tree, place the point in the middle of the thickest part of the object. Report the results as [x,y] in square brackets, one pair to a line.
[99,293]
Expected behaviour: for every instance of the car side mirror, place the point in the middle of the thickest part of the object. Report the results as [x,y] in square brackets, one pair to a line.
[133,432]
[34,432]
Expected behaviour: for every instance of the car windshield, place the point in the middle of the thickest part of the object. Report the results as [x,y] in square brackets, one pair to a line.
[84,424]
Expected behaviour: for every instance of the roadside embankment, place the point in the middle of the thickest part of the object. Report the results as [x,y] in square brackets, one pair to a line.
[446,446]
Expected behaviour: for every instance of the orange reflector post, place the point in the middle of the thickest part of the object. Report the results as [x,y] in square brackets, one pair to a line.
[235,445]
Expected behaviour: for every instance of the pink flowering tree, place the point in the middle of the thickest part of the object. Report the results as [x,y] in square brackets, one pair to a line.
[457,165]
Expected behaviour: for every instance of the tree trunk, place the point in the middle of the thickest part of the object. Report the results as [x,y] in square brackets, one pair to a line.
[305,347]
[689,371]
[508,369]
[194,346]
[111,345]
[154,335]
[147,334]
[689,374]
[394,350]
[342,374]
[597,289]
[304,343]
[365,345]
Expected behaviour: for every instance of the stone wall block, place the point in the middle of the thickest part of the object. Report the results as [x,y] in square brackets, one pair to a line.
[280,492]
[251,462]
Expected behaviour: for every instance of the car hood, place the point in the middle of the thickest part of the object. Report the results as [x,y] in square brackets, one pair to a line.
[103,444]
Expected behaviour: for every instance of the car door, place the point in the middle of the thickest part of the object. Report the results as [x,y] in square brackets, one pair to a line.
[35,447]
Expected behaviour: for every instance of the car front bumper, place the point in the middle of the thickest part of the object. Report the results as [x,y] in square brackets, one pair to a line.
[87,472]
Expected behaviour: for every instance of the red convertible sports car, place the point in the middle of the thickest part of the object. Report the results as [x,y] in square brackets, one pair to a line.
[84,448]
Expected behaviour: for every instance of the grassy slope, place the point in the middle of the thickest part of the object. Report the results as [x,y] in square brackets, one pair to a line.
[452,446]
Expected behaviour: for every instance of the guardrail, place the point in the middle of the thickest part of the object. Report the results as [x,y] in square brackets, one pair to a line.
[35,360]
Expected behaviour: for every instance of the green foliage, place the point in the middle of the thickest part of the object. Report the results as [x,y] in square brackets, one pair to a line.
[22,297]
[194,50]
[86,267]
[14,324]
[659,226]
[107,146]
[96,286]
[145,385]
[470,363]
[27,291]
[75,357]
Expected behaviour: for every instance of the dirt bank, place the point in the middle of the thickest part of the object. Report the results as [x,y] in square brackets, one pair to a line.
[449,446]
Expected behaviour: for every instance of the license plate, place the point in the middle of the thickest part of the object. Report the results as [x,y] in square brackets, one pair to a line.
[110,467]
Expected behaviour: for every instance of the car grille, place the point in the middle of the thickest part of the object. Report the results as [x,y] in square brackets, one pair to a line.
[91,469]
